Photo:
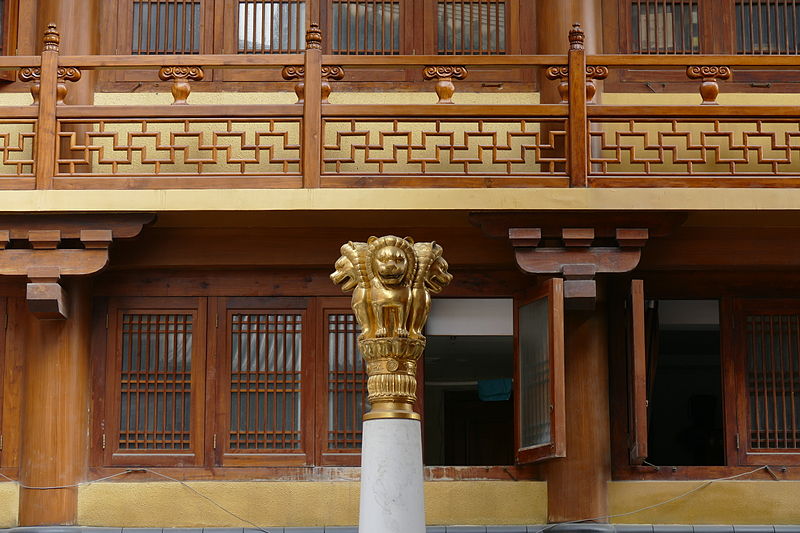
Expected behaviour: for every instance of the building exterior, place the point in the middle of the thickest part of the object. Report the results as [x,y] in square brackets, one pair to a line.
[617,201]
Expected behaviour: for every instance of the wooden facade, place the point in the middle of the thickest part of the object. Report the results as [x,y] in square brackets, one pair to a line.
[176,193]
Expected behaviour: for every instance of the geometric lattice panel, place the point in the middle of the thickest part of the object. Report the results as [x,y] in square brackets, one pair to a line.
[506,147]
[17,138]
[168,147]
[689,146]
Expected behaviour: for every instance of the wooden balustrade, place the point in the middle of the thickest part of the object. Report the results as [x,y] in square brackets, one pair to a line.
[314,143]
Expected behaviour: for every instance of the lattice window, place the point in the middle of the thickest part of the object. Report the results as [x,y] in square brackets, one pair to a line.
[155,382]
[767,26]
[165,27]
[471,27]
[365,27]
[265,381]
[773,380]
[265,26]
[347,383]
[665,26]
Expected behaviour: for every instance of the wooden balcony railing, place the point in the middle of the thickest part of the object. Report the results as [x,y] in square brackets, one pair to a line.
[313,143]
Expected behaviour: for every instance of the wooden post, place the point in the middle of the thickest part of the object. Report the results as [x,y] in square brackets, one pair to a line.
[578,129]
[312,108]
[46,127]
[577,484]
[54,411]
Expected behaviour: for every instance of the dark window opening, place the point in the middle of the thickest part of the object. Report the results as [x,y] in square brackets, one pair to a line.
[685,385]
[670,27]
[371,27]
[469,407]
[166,27]
[767,27]
[476,27]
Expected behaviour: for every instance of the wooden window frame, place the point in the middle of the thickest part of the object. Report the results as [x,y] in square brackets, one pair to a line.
[9,36]
[553,291]
[195,455]
[717,31]
[210,364]
[742,288]
[226,307]
[328,456]
[120,15]
[418,27]
[738,404]
[637,374]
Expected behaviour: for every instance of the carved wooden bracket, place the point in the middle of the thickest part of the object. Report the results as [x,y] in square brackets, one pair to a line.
[445,74]
[297,72]
[578,255]
[44,248]
[561,73]
[330,72]
[180,77]
[34,74]
[709,88]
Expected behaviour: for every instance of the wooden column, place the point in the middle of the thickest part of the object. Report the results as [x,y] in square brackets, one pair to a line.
[554,18]
[577,484]
[54,412]
[78,23]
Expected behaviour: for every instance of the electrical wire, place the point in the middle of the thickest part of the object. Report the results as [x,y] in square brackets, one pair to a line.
[659,504]
[231,513]
[73,485]
[136,470]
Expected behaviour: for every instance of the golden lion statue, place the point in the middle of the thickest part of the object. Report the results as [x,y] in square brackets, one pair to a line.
[391,279]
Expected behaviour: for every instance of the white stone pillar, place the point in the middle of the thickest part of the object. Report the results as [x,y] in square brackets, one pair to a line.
[391,279]
[392,499]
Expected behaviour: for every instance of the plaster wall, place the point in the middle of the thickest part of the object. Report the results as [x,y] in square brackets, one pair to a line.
[9,504]
[309,504]
[722,502]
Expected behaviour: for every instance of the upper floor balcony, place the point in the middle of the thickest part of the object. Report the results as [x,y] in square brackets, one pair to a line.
[319,136]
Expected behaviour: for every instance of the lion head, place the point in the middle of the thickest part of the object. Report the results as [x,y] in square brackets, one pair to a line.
[391,259]
[438,277]
[350,271]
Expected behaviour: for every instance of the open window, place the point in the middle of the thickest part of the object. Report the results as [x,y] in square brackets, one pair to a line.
[637,374]
[541,432]
[682,385]
[469,369]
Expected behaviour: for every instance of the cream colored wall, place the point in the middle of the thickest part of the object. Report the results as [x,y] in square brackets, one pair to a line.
[288,97]
[723,502]
[311,504]
[9,504]
[451,199]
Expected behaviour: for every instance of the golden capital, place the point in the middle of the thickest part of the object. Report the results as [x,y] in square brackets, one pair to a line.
[392,280]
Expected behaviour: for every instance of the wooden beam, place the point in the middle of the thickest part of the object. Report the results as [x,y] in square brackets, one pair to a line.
[47,300]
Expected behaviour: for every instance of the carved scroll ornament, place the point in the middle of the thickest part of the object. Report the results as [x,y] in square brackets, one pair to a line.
[391,279]
[180,76]
[445,74]
[709,74]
